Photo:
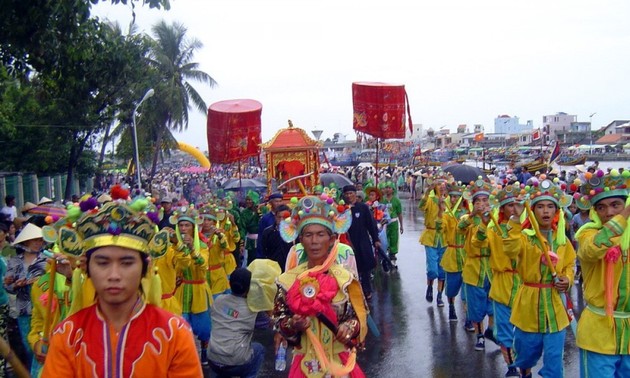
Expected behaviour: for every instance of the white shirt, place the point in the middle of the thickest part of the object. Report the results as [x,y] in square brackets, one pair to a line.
[10,211]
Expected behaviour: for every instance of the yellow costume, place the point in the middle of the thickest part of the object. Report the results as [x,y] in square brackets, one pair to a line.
[505,278]
[596,331]
[455,256]
[217,275]
[433,235]
[537,306]
[169,268]
[477,267]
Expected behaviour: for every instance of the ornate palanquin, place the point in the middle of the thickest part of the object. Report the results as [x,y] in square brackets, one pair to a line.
[293,159]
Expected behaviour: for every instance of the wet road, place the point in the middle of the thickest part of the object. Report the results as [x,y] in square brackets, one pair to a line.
[417,340]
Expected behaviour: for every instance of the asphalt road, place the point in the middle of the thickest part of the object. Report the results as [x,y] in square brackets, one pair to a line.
[417,340]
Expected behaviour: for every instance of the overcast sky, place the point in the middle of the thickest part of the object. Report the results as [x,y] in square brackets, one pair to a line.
[461,61]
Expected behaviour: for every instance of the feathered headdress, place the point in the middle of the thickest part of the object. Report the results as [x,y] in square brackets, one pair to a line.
[315,210]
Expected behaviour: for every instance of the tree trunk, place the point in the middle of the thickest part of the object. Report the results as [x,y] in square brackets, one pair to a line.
[101,158]
[156,153]
[70,173]
[75,152]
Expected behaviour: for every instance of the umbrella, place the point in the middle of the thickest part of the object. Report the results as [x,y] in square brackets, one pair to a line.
[464,173]
[236,184]
[194,170]
[46,210]
[340,180]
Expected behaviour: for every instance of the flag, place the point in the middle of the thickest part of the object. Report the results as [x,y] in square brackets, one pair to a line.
[555,153]
[536,135]
[478,137]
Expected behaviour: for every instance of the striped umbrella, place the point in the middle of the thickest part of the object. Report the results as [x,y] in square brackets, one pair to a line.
[46,210]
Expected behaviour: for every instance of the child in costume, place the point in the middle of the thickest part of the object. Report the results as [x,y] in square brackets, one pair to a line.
[454,256]
[604,327]
[395,226]
[477,274]
[505,278]
[432,238]
[217,245]
[194,293]
[545,263]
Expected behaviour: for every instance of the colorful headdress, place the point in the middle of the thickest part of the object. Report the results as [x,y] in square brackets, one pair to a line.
[254,196]
[118,224]
[315,210]
[455,188]
[546,190]
[185,213]
[599,185]
[477,188]
[374,189]
[508,194]
[207,211]
[387,184]
[332,191]
[581,202]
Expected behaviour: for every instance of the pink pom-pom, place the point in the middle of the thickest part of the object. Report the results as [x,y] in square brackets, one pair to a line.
[576,196]
[600,173]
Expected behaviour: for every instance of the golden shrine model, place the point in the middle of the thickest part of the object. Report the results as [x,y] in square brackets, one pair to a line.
[293,161]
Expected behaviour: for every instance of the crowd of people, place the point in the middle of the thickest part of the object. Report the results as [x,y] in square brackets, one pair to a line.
[203,268]
[511,250]
[121,260]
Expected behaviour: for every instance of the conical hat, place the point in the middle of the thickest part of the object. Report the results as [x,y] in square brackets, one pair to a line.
[27,206]
[29,232]
[44,200]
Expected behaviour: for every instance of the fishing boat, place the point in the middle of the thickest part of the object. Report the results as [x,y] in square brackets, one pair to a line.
[572,160]
[542,163]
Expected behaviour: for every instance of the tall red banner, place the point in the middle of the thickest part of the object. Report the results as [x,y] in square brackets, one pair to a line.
[234,130]
[380,109]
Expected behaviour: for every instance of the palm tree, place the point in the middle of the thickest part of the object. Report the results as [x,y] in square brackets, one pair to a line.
[171,57]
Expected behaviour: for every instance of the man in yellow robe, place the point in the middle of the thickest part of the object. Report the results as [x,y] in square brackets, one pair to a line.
[603,333]
[541,248]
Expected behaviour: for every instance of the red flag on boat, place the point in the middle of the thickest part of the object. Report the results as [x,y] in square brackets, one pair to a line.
[536,135]
[555,153]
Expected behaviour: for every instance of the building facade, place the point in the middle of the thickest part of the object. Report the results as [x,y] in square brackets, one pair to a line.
[504,124]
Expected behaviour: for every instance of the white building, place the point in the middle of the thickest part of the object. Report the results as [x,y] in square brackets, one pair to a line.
[504,124]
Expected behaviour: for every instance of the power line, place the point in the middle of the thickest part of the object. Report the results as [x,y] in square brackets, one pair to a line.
[54,126]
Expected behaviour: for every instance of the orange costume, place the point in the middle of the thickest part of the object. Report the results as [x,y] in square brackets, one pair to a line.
[154,343]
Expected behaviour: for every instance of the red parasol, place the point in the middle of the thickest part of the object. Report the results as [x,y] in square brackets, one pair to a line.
[234,130]
[379,111]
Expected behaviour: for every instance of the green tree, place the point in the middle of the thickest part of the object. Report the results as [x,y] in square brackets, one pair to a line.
[172,56]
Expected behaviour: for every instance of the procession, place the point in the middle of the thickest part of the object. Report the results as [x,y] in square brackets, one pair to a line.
[350,193]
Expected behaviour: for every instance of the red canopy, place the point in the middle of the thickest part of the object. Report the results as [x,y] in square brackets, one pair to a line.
[234,130]
[379,109]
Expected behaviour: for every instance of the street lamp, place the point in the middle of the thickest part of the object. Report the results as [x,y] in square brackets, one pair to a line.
[590,126]
[149,93]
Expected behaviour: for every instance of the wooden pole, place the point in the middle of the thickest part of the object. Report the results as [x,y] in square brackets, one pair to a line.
[18,369]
